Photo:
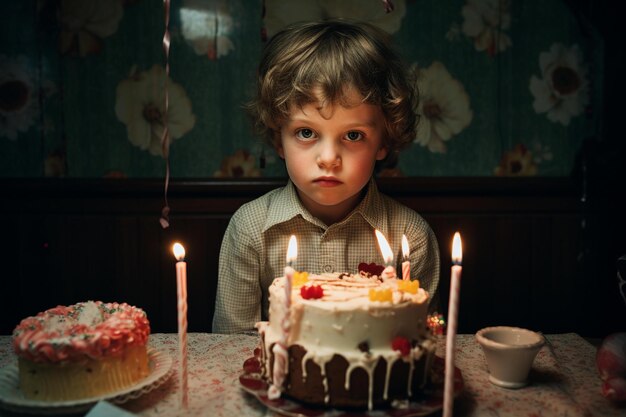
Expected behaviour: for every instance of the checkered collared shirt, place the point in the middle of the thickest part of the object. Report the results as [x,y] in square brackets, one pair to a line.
[254,249]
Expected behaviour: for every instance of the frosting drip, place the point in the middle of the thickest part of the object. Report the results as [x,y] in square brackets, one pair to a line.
[357,319]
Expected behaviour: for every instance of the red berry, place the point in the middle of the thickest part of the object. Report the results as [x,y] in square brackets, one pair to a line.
[611,356]
[252,365]
[311,292]
[401,344]
[318,291]
[614,388]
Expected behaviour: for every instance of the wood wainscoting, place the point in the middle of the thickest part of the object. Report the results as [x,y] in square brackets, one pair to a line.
[527,254]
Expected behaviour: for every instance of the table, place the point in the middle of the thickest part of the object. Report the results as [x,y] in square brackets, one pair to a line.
[564,379]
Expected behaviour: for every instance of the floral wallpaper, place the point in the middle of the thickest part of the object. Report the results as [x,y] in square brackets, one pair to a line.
[507,87]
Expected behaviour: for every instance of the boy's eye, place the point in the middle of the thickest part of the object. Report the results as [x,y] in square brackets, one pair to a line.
[305,134]
[354,136]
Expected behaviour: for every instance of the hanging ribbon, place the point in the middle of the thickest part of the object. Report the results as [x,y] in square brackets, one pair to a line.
[165,139]
[263,39]
[263,28]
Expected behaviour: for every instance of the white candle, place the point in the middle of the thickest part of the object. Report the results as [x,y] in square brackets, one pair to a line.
[280,349]
[406,264]
[453,306]
[385,249]
[181,292]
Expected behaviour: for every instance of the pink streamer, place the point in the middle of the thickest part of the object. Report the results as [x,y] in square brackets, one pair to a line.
[388,6]
[165,138]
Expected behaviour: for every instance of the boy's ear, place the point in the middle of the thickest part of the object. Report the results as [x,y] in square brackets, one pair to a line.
[278,144]
[382,153]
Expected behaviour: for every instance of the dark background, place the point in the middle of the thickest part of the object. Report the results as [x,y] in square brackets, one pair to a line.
[70,240]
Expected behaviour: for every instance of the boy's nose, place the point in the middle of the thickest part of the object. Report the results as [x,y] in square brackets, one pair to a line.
[328,156]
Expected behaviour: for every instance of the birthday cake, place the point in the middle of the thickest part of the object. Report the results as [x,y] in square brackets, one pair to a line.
[346,341]
[81,351]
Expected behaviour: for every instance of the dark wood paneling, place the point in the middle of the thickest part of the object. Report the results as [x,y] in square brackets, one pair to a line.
[527,259]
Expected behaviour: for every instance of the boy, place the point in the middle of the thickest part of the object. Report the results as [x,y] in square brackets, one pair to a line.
[334,102]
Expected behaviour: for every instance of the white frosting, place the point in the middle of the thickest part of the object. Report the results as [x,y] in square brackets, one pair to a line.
[344,318]
[90,315]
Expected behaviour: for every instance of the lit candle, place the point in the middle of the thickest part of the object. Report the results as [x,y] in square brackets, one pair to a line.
[385,249]
[406,263]
[453,306]
[281,354]
[181,291]
[292,254]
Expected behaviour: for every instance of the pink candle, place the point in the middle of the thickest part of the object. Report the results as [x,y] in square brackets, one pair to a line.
[281,353]
[292,254]
[181,292]
[385,250]
[406,264]
[453,306]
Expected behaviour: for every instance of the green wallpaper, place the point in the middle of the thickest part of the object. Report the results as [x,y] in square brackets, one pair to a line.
[81,85]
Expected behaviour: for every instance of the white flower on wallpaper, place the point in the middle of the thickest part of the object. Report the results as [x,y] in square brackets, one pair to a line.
[444,107]
[19,107]
[140,105]
[279,13]
[206,26]
[563,89]
[84,23]
[485,22]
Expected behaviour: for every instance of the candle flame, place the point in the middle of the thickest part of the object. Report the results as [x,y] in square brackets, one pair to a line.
[292,249]
[457,249]
[179,251]
[385,249]
[405,247]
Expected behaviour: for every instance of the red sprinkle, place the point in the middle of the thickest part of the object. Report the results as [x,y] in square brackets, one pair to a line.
[401,344]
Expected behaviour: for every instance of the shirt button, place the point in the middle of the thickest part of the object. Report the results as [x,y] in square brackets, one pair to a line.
[328,268]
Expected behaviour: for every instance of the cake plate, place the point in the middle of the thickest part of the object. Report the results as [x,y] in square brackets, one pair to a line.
[13,399]
[430,402]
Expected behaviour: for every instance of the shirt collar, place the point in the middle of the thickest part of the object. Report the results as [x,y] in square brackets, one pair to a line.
[287,205]
[284,207]
[371,208]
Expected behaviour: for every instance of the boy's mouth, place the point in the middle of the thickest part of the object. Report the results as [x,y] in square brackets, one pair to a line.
[327,181]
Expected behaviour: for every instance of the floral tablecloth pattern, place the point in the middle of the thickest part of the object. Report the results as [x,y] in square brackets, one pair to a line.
[564,380]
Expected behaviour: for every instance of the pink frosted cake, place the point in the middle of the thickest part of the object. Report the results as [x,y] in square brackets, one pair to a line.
[84,350]
[346,341]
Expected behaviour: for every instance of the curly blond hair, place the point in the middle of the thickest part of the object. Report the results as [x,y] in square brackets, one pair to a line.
[306,60]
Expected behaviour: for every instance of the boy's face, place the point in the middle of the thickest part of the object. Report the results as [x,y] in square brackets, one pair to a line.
[330,153]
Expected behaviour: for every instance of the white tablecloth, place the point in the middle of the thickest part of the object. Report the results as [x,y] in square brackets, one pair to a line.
[564,380]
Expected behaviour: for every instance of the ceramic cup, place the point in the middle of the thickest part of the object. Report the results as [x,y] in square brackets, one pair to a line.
[510,352]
